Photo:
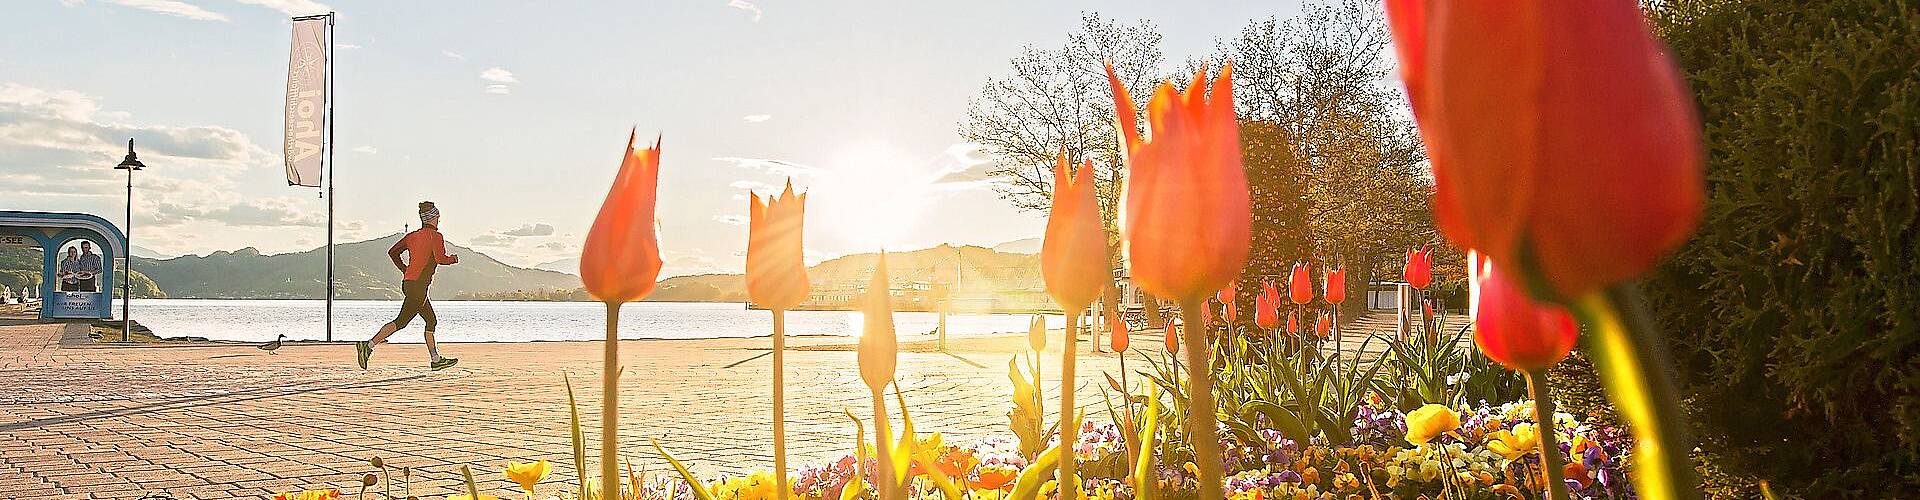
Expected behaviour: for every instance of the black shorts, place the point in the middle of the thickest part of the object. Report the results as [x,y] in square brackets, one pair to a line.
[414,303]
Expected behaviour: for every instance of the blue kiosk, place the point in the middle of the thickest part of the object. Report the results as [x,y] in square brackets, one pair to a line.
[77,252]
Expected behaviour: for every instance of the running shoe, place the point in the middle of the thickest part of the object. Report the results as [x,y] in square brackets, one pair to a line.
[366,352]
[443,363]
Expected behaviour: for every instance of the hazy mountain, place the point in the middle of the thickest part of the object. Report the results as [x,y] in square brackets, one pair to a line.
[362,271]
[569,265]
[140,251]
[994,278]
[1023,245]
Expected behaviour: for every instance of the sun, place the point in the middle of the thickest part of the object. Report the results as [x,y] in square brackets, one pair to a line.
[871,194]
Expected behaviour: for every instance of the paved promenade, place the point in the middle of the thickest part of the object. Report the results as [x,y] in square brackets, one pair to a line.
[230,421]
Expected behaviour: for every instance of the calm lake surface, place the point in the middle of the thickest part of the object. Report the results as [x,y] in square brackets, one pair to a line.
[497,321]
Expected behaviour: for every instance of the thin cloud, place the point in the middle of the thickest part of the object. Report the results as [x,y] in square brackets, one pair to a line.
[535,229]
[348,46]
[498,88]
[365,150]
[756,118]
[734,219]
[453,55]
[498,74]
[173,8]
[772,166]
[291,7]
[746,6]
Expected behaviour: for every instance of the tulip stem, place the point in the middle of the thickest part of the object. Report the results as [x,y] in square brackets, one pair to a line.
[610,406]
[1069,431]
[883,447]
[780,403]
[1203,426]
[1550,459]
[1631,355]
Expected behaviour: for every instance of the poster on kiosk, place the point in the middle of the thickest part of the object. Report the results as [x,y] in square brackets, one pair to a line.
[78,291]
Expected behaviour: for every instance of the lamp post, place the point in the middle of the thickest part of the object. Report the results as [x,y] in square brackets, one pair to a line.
[130,164]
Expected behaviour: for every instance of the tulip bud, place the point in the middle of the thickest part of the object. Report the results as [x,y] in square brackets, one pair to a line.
[1073,254]
[1118,336]
[1266,308]
[1337,286]
[1300,287]
[1513,329]
[879,349]
[1173,338]
[1323,325]
[1037,333]
[621,257]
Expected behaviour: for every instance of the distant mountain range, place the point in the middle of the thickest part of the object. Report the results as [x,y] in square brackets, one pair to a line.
[361,268]
[1023,245]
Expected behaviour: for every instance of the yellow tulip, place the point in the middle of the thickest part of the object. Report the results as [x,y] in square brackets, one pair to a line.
[1515,443]
[528,474]
[1429,422]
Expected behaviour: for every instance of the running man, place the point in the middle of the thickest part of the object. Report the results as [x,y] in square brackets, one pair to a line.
[425,250]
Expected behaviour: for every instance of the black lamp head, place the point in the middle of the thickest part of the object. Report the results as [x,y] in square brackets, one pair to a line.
[132,162]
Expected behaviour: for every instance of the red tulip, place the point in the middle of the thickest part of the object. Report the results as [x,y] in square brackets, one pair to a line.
[776,266]
[1073,255]
[1187,218]
[621,258]
[1300,287]
[1323,325]
[1513,329]
[1293,322]
[1419,271]
[879,349]
[1118,334]
[1226,298]
[1266,307]
[1560,131]
[1173,338]
[1337,286]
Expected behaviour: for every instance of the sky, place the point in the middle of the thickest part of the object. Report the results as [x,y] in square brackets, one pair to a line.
[512,115]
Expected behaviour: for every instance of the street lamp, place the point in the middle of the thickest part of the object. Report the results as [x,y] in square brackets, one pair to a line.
[130,164]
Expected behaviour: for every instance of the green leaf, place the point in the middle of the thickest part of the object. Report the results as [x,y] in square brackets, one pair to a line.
[579,442]
[1042,468]
[700,491]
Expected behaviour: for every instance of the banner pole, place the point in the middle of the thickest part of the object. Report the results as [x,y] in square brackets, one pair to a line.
[331,171]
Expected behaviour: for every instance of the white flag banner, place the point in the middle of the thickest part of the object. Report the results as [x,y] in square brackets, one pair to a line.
[306,101]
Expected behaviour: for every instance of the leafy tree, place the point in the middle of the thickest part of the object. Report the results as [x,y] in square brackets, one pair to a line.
[1792,311]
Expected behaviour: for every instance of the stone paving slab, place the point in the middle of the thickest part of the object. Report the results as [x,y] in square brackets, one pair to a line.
[231,421]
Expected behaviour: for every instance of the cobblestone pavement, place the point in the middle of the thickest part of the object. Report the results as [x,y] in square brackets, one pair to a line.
[231,421]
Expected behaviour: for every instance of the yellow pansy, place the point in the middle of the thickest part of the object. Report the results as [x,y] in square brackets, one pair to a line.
[528,474]
[1429,422]
[1518,442]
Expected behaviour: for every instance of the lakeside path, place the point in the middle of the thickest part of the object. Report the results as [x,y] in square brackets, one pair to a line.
[87,420]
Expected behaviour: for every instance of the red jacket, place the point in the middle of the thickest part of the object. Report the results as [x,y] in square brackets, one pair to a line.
[425,249]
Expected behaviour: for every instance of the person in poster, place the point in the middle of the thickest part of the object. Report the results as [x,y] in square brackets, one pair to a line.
[89,270]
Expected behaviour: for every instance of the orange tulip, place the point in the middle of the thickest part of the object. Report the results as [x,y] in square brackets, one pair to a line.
[1337,286]
[1323,325]
[1266,307]
[879,349]
[1560,131]
[1173,338]
[1513,329]
[1118,334]
[1073,254]
[1293,322]
[776,268]
[621,258]
[1419,272]
[1300,287]
[1186,221]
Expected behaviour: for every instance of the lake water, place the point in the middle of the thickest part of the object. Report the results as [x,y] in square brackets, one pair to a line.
[497,321]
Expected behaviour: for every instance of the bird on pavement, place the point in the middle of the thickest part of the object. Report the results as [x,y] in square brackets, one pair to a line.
[271,346]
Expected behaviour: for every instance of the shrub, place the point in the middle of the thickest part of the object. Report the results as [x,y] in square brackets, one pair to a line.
[1793,311]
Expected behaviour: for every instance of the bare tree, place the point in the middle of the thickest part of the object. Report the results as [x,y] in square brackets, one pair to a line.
[1325,79]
